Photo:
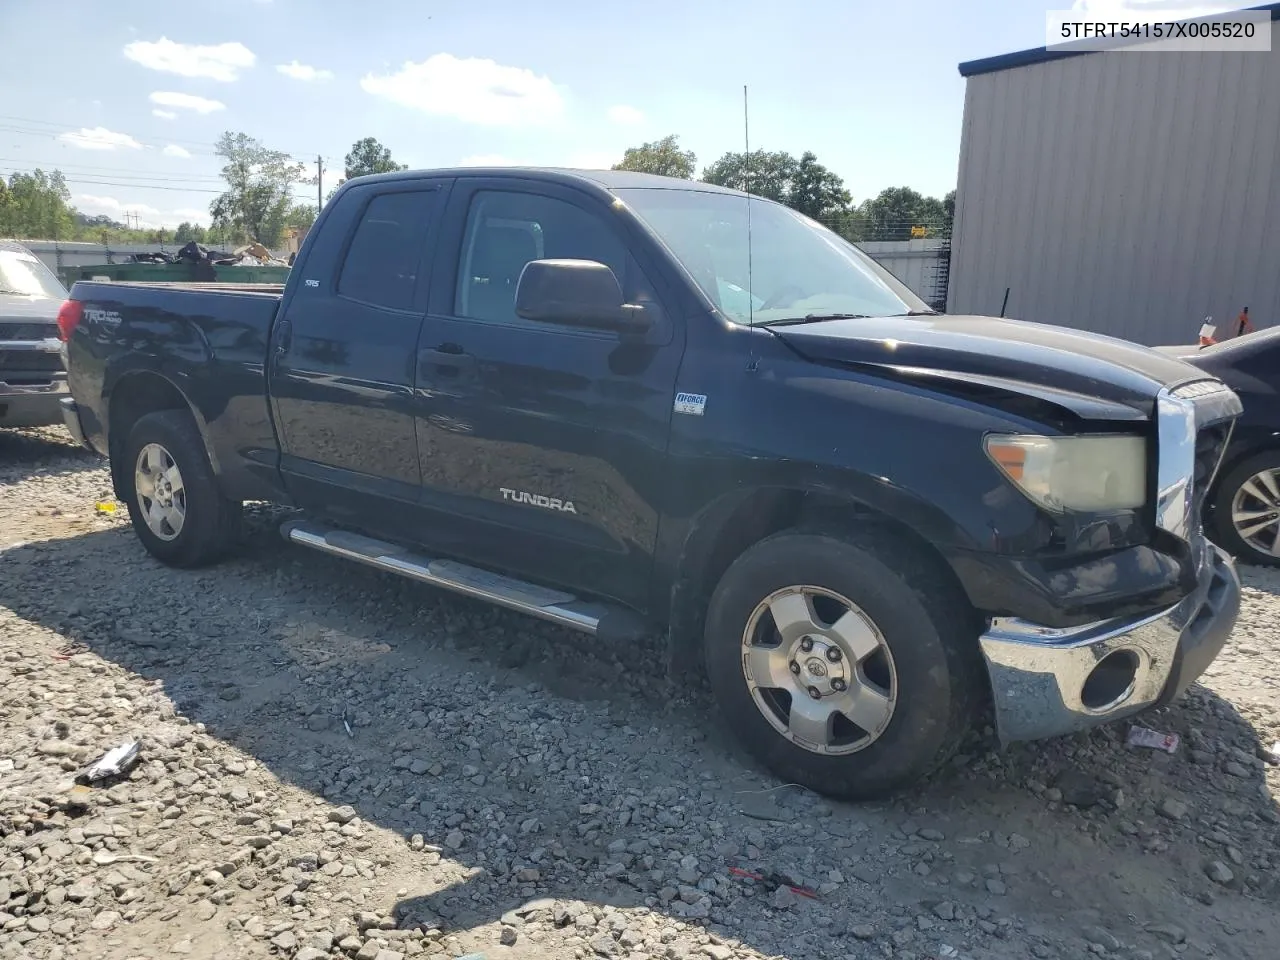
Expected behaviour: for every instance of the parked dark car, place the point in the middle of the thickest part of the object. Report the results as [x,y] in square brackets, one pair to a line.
[1243,506]
[622,402]
[32,375]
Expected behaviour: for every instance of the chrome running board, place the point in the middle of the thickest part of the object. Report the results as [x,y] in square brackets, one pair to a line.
[592,617]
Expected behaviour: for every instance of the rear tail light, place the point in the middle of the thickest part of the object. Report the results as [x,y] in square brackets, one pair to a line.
[69,318]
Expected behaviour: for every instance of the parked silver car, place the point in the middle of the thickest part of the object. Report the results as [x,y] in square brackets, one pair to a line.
[33,377]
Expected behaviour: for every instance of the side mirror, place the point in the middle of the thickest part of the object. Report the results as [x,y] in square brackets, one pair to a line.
[579,293]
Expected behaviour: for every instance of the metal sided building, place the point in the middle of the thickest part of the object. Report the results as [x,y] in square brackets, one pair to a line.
[1123,192]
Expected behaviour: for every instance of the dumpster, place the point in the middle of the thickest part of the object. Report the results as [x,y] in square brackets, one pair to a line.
[184,271]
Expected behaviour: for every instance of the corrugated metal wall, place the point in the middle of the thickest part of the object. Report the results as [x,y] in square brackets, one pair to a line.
[1127,193]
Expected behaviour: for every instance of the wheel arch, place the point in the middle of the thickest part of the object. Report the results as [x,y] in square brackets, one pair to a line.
[735,522]
[132,396]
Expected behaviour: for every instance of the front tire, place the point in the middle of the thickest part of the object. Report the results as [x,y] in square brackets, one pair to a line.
[174,503]
[847,665]
[1245,519]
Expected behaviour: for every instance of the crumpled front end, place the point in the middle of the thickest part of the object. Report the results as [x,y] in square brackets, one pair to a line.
[1050,681]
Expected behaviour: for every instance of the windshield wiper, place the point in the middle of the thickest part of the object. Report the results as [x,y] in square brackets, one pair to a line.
[915,313]
[813,318]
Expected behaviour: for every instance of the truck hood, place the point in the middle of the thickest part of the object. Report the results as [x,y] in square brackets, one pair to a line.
[1093,376]
[24,309]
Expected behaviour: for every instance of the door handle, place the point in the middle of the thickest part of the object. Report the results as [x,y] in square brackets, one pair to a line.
[449,357]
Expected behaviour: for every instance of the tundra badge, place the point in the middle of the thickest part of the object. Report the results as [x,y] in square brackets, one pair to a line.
[537,500]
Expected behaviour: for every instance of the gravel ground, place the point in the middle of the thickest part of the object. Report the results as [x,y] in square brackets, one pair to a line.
[338,763]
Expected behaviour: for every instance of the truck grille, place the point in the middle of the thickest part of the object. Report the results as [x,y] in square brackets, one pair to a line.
[28,331]
[29,361]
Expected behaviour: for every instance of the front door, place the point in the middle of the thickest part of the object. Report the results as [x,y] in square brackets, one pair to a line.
[343,371]
[542,447]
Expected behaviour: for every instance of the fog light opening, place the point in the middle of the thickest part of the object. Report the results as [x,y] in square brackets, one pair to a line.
[1111,681]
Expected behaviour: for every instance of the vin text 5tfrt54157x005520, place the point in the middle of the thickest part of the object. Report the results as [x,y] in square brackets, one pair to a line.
[577,396]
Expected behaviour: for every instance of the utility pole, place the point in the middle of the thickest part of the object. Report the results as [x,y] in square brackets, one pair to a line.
[319,184]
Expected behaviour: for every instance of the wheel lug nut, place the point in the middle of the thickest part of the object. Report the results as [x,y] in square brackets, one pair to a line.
[815,693]
[833,654]
[806,644]
[837,685]
[795,667]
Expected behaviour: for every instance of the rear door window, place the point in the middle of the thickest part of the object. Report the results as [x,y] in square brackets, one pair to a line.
[386,253]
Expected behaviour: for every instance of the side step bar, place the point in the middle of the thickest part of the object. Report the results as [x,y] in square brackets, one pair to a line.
[603,620]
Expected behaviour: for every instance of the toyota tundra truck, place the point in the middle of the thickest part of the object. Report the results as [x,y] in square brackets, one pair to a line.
[637,406]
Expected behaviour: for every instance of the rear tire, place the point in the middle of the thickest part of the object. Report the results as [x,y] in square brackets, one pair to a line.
[885,668]
[1245,492]
[174,503]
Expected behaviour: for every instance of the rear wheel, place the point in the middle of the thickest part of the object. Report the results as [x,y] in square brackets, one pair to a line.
[1246,510]
[174,503]
[847,665]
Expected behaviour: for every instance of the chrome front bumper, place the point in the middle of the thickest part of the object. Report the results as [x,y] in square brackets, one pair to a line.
[1047,682]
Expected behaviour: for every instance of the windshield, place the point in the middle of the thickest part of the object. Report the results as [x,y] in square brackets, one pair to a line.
[798,268]
[24,275]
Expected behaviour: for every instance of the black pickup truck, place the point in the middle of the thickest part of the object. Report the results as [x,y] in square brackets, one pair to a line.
[627,403]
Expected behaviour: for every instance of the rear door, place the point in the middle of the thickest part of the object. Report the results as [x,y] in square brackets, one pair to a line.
[342,376]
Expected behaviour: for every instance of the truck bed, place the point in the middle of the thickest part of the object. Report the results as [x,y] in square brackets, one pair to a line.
[209,340]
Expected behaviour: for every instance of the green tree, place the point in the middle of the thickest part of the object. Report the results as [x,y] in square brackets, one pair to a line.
[188,232]
[663,157]
[762,173]
[893,213]
[368,157]
[301,216]
[37,206]
[6,210]
[852,224]
[258,198]
[804,185]
[815,191]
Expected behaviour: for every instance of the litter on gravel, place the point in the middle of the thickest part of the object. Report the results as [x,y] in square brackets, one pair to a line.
[1142,737]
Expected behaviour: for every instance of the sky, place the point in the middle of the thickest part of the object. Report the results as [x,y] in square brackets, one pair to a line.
[128,97]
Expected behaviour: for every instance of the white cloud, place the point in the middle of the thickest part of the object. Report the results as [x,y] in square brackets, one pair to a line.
[472,90]
[300,71]
[487,160]
[148,216]
[173,150]
[625,115]
[186,101]
[94,205]
[99,138]
[164,114]
[222,61]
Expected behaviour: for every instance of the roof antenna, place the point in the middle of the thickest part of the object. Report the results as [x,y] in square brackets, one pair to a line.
[746,142]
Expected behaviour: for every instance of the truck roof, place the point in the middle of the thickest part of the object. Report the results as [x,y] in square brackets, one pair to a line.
[609,180]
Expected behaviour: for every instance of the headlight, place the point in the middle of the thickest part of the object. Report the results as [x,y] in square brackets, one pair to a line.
[1080,474]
